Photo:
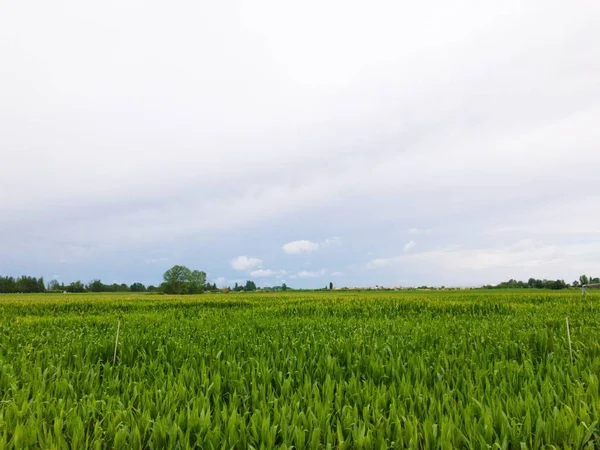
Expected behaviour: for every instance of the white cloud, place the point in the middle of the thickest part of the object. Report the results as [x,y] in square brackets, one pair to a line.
[525,258]
[409,246]
[299,247]
[220,281]
[267,273]
[337,274]
[305,246]
[332,241]
[311,273]
[246,263]
[505,94]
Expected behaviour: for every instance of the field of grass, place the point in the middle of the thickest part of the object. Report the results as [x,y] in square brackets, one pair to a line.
[300,370]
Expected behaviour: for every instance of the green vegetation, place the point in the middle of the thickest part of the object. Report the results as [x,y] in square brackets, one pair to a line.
[182,280]
[460,369]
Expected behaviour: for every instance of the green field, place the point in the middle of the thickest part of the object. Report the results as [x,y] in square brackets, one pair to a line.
[460,369]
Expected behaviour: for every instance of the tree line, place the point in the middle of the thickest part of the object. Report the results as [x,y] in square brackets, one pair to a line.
[182,280]
[26,284]
[177,280]
[534,283]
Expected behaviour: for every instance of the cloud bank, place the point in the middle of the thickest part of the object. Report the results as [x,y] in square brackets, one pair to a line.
[467,131]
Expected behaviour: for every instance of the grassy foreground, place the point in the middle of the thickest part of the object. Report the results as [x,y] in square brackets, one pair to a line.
[300,370]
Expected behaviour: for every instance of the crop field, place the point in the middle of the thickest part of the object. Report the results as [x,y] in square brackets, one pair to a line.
[413,369]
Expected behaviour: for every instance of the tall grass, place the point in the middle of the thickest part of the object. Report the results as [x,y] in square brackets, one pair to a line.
[320,370]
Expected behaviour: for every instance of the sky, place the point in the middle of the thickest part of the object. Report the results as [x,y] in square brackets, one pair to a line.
[360,143]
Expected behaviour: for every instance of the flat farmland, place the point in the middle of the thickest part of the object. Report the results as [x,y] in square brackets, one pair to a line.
[339,369]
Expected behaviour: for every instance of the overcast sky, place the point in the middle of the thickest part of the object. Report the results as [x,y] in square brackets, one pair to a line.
[381,142]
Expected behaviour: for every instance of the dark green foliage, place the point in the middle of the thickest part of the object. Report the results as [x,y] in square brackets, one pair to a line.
[76,286]
[23,284]
[532,283]
[181,280]
[137,287]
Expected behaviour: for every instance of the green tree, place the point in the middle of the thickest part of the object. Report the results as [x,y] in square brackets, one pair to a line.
[137,287]
[96,286]
[181,280]
[196,281]
[76,286]
[583,279]
[54,285]
[176,279]
[8,285]
[330,286]
[250,286]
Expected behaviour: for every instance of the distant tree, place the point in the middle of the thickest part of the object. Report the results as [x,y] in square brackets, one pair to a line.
[54,285]
[330,286]
[41,287]
[181,280]
[8,285]
[250,286]
[137,287]
[175,280]
[152,288]
[196,282]
[76,286]
[96,286]
[583,279]
[28,284]
[284,287]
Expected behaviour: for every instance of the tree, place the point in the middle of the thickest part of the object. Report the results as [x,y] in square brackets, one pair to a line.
[196,281]
[181,280]
[76,286]
[284,287]
[175,280]
[7,285]
[250,286]
[54,285]
[96,286]
[41,287]
[330,286]
[583,279]
[137,287]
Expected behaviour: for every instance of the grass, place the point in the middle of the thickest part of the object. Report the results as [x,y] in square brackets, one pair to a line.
[465,369]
